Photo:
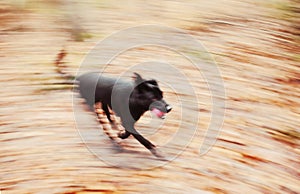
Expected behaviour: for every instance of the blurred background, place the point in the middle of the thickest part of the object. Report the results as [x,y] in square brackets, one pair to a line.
[255,44]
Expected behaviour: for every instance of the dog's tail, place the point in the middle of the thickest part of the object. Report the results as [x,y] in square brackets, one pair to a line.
[60,68]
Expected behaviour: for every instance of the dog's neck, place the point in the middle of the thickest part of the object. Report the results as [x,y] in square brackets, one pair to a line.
[136,111]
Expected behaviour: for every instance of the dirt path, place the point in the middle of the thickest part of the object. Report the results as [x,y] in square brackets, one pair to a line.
[255,47]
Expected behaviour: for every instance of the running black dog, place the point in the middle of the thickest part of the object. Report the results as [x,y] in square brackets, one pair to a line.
[128,100]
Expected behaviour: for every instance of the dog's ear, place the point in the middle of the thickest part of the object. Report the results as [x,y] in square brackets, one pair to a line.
[152,82]
[137,78]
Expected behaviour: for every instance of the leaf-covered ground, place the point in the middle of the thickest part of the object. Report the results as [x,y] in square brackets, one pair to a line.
[256,47]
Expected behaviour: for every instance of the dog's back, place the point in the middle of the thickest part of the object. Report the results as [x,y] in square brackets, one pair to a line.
[97,88]
[94,88]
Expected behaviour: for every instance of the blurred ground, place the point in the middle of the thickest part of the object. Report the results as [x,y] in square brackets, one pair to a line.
[256,45]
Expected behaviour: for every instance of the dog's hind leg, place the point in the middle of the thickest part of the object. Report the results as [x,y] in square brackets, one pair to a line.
[106,110]
[111,118]
[107,129]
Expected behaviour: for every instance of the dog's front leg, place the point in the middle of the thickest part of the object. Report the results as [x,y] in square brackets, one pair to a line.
[145,142]
[124,135]
[142,140]
[128,123]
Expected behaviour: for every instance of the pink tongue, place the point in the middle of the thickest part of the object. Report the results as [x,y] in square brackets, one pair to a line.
[157,112]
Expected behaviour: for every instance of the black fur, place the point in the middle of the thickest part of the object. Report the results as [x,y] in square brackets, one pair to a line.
[129,100]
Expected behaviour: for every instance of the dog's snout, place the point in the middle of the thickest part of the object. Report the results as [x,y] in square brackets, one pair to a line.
[169,108]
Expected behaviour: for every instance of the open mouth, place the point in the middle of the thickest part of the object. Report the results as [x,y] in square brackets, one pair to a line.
[159,113]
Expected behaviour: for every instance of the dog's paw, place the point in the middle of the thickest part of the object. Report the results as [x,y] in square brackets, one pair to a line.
[156,153]
[123,135]
[117,148]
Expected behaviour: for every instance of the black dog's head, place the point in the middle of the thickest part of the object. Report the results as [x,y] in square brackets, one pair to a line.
[147,96]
